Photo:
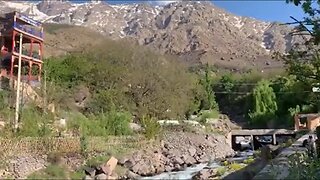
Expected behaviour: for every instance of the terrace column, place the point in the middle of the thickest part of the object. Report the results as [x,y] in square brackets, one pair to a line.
[274,139]
[30,71]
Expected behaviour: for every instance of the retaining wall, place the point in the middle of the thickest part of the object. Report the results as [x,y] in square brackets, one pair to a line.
[278,168]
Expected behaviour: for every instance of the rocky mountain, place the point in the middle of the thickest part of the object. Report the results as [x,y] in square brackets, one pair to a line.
[196,31]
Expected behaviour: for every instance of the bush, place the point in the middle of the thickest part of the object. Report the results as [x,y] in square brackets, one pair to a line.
[221,171]
[116,123]
[84,146]
[4,99]
[204,115]
[109,123]
[151,126]
[235,166]
[116,72]
[96,161]
[34,123]
[50,172]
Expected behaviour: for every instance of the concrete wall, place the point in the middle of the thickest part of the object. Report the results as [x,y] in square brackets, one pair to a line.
[313,120]
[313,123]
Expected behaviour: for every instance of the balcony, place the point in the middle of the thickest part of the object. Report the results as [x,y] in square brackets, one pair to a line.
[29,30]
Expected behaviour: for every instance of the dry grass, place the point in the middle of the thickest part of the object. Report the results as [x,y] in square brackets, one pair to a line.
[20,146]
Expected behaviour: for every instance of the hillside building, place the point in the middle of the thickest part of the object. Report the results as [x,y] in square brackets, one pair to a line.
[11,25]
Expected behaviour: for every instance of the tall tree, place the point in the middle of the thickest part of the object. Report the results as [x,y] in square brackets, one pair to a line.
[264,104]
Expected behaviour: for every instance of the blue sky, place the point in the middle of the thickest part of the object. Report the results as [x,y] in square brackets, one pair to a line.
[277,10]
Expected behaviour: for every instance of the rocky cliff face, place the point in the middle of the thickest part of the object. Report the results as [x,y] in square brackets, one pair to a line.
[185,28]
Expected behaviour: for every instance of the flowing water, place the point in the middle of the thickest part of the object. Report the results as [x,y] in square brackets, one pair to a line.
[184,174]
[189,172]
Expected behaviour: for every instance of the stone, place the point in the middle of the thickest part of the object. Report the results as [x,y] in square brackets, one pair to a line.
[206,174]
[135,127]
[168,168]
[106,169]
[87,177]
[90,171]
[101,177]
[109,166]
[189,160]
[123,160]
[132,175]
[178,160]
[192,151]
[2,124]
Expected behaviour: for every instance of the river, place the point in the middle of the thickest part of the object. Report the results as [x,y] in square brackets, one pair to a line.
[189,172]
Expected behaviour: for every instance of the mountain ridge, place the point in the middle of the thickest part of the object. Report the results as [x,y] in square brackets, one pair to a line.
[182,28]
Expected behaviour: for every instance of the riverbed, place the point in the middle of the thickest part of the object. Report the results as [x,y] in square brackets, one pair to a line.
[189,172]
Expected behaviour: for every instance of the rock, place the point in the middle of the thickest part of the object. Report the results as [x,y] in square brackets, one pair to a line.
[90,171]
[177,167]
[189,160]
[143,168]
[135,127]
[123,160]
[178,160]
[87,177]
[101,177]
[206,174]
[106,170]
[132,175]
[128,164]
[192,151]
[179,149]
[168,168]
[2,124]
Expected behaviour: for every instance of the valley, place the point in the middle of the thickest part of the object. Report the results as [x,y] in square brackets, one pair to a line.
[159,91]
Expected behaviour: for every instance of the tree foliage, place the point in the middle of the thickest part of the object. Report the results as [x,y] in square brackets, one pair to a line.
[264,103]
[128,77]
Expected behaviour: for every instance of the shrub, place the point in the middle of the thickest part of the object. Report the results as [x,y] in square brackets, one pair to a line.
[84,146]
[96,161]
[151,126]
[50,172]
[221,171]
[34,123]
[110,123]
[116,123]
[204,115]
[4,99]
[235,166]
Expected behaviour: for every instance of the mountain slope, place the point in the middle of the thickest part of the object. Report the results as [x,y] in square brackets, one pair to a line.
[190,29]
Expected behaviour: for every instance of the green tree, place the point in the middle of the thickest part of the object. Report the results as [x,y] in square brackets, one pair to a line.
[132,78]
[264,104]
[310,23]
[207,82]
[303,62]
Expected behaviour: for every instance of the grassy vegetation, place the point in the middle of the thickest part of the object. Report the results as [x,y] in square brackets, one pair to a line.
[205,115]
[50,172]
